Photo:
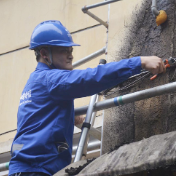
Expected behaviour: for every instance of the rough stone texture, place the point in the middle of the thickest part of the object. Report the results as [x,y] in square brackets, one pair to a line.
[154,153]
[142,119]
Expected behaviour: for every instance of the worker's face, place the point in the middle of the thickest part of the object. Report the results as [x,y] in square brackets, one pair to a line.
[62,57]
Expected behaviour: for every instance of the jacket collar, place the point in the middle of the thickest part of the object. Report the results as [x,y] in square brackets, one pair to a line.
[42,66]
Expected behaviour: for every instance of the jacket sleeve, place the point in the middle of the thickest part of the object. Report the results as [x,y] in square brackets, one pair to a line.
[65,84]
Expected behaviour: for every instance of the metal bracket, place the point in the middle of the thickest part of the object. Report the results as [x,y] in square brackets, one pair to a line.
[86,8]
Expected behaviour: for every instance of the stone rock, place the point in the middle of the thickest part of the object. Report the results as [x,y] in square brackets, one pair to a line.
[145,118]
[155,152]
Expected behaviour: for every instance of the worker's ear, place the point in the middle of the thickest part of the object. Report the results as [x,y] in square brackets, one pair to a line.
[44,53]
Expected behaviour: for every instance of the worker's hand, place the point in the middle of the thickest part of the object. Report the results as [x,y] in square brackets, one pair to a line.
[153,64]
[79,120]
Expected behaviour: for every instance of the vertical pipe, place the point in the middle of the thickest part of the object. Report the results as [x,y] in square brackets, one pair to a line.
[92,123]
[86,124]
[154,8]
[94,113]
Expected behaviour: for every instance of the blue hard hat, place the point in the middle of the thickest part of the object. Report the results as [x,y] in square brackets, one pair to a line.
[51,33]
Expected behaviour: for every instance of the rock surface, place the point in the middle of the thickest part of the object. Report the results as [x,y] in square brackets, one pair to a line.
[142,119]
[148,154]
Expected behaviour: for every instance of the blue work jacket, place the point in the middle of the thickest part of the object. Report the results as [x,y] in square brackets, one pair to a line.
[43,142]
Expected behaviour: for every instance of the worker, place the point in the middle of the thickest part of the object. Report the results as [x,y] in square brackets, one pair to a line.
[43,143]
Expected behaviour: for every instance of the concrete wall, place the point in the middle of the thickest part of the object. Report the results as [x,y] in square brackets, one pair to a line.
[141,37]
[121,22]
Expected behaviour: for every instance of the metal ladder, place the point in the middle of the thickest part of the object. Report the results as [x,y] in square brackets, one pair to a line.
[89,121]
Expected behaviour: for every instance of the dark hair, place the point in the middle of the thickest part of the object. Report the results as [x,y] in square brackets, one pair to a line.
[37,54]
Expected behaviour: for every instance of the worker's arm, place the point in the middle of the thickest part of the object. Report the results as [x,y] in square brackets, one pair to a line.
[80,83]
[79,120]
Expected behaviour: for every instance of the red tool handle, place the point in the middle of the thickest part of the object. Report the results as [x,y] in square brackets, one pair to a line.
[166,65]
[153,77]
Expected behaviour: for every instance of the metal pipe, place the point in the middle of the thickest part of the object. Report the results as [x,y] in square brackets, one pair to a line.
[102,133]
[154,8]
[97,18]
[128,98]
[90,109]
[94,113]
[85,8]
[92,119]
[80,111]
[4,166]
[91,146]
[92,132]
[95,133]
[85,130]
[90,57]
[82,146]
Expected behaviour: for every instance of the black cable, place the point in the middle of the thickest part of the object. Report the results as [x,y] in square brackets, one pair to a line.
[144,73]
[7,132]
[134,82]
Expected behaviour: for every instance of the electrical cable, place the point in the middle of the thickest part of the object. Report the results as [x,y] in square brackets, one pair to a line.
[134,82]
[144,73]
[130,84]
[7,132]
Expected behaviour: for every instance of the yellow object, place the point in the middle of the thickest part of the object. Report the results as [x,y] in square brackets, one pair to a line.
[161,18]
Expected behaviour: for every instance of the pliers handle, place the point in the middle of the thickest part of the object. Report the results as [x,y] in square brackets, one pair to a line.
[167,65]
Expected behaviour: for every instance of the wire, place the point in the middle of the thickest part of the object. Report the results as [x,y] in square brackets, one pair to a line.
[144,73]
[134,82]
[8,132]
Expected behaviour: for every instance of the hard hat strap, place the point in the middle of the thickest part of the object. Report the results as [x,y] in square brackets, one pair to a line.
[51,58]
[37,53]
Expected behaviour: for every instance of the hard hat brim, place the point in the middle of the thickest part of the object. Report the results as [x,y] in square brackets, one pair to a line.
[64,44]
